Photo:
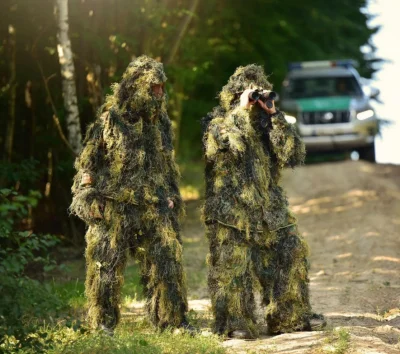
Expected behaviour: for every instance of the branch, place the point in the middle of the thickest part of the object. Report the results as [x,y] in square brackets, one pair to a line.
[62,135]
[183,29]
[6,88]
[46,81]
[53,107]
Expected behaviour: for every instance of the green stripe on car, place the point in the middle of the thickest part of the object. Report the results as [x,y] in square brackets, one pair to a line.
[323,104]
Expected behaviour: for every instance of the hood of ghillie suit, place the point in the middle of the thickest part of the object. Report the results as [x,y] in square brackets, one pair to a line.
[133,95]
[241,80]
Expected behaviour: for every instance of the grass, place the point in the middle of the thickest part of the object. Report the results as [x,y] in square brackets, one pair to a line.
[72,293]
[135,336]
[192,182]
[69,334]
[132,289]
[341,341]
[195,249]
[336,342]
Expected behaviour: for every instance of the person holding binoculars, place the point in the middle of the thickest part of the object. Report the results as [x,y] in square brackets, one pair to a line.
[253,237]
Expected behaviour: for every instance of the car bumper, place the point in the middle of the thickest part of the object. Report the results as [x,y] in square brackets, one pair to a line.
[337,142]
[343,136]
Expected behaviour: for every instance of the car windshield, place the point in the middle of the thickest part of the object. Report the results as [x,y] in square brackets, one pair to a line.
[321,87]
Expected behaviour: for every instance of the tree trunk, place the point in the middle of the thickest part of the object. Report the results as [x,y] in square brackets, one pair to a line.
[68,77]
[30,104]
[182,31]
[179,96]
[9,140]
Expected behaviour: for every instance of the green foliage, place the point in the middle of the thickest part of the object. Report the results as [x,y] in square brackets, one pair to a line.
[23,300]
[133,289]
[71,293]
[104,344]
[135,338]
[21,248]
[343,342]
[24,172]
[338,341]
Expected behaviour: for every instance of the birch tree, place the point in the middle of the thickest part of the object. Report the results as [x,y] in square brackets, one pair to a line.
[68,77]
[12,86]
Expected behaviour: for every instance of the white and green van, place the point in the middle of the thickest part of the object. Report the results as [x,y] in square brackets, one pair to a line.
[327,102]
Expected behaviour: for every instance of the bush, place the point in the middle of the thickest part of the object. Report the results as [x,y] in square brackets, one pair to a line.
[25,172]
[23,300]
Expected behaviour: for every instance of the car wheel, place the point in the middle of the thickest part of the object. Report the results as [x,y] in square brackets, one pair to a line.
[367,153]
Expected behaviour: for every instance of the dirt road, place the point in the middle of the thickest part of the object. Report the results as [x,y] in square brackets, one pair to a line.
[349,212]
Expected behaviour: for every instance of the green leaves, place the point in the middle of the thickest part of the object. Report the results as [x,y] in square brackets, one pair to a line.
[20,251]
[5,192]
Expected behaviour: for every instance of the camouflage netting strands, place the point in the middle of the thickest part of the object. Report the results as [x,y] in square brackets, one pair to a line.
[126,176]
[254,241]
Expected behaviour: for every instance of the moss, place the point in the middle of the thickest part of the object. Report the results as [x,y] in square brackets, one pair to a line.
[254,241]
[129,156]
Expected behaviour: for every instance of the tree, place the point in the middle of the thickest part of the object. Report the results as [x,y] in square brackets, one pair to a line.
[68,77]
[12,87]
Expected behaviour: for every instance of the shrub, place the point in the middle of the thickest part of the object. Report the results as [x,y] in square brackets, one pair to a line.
[23,300]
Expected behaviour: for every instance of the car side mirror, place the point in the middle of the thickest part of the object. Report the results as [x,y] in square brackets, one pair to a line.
[374,93]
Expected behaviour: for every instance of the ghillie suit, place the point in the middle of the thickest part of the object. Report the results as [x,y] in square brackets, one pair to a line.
[126,178]
[253,237]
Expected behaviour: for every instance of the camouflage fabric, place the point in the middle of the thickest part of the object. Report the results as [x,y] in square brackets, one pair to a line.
[128,160]
[254,241]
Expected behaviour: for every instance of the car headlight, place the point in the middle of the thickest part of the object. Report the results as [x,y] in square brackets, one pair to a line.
[365,114]
[290,119]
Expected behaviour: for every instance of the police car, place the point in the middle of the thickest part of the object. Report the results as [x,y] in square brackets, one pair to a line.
[332,111]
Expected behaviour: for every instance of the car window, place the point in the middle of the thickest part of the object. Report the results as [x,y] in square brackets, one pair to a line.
[321,87]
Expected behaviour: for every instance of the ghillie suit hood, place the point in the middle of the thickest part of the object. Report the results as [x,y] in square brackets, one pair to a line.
[129,157]
[246,211]
[243,78]
[133,96]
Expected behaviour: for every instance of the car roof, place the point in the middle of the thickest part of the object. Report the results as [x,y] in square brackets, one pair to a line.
[322,72]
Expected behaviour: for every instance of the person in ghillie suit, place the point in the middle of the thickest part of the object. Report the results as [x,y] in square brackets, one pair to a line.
[253,237]
[126,190]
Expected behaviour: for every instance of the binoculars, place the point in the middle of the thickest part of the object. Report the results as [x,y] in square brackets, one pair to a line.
[266,97]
